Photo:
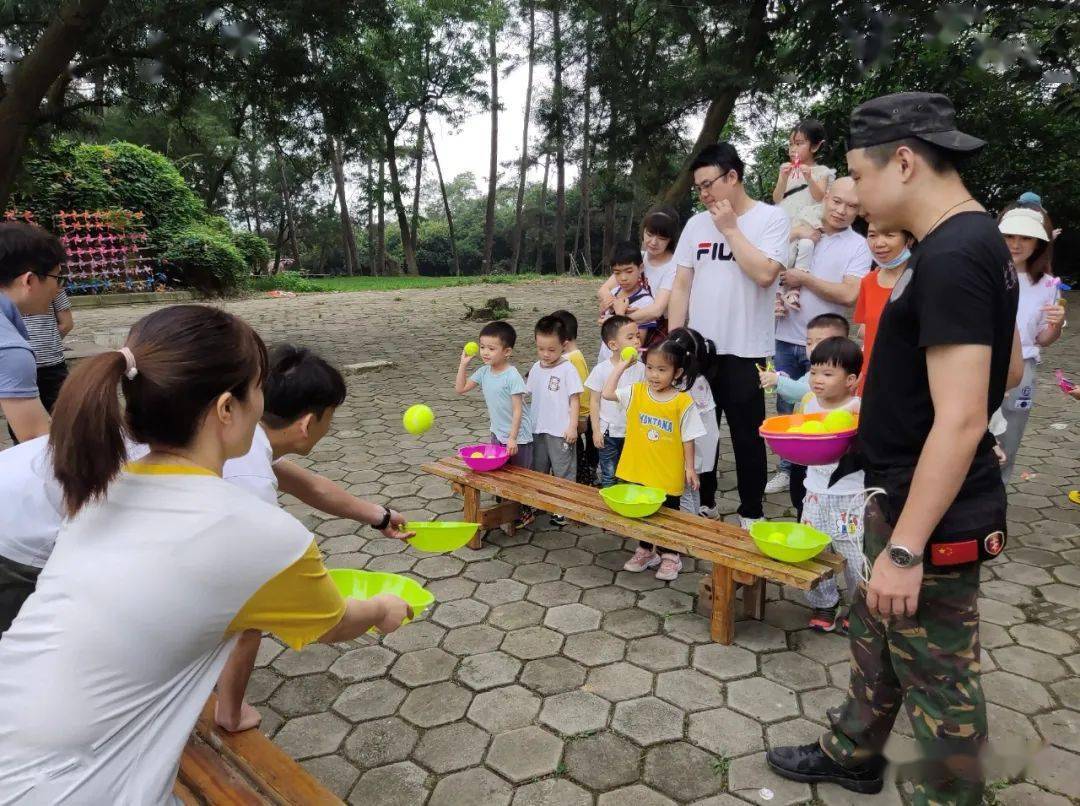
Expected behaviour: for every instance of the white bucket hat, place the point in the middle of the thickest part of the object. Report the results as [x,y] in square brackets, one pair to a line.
[1021,221]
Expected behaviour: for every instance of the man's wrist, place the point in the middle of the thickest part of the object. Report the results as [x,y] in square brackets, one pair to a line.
[903,556]
[383,522]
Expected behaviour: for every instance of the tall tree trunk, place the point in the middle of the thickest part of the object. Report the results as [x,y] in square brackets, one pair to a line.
[290,217]
[586,225]
[279,241]
[519,229]
[35,74]
[560,145]
[242,196]
[371,220]
[539,264]
[253,193]
[628,227]
[218,177]
[609,234]
[380,251]
[415,219]
[446,203]
[753,39]
[348,235]
[399,205]
[493,164]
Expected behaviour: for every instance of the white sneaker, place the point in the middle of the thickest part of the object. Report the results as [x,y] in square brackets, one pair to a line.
[746,523]
[778,483]
[712,513]
[643,558]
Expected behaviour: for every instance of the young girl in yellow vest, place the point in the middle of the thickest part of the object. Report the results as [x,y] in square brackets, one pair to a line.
[662,423]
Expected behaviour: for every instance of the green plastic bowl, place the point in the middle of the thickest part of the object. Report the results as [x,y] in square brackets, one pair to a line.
[788,542]
[439,537]
[356,584]
[633,500]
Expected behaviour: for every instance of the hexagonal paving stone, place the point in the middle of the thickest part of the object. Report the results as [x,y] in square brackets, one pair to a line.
[823,647]
[525,753]
[516,615]
[471,786]
[594,648]
[488,670]
[460,613]
[532,642]
[588,576]
[262,684]
[609,598]
[1044,639]
[401,784]
[638,581]
[816,703]
[423,666]
[666,602]
[504,709]
[749,775]
[648,720]
[1000,613]
[602,761]
[762,699]
[575,712]
[551,792]
[682,771]
[690,690]
[314,735]
[415,635]
[473,640]
[535,573]
[1029,663]
[572,618]
[793,670]
[552,675]
[568,558]
[521,555]
[1061,728]
[383,741]
[452,589]
[1028,795]
[724,732]
[488,571]
[1055,769]
[314,658]
[333,772]
[638,794]
[501,592]
[439,567]
[792,732]
[436,705]
[657,653]
[369,700]
[310,694]
[619,681]
[690,628]
[631,623]
[1013,691]
[551,594]
[724,662]
[1068,692]
[452,747]
[365,663]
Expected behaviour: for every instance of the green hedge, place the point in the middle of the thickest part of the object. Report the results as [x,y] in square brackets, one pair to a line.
[208,259]
[254,249]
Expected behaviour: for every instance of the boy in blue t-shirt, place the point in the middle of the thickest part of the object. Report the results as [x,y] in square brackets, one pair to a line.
[503,389]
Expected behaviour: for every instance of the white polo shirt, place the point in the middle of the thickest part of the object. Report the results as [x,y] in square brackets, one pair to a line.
[844,254]
[725,304]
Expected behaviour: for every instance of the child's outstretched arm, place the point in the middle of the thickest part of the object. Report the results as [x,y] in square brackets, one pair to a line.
[612,384]
[604,293]
[818,189]
[461,383]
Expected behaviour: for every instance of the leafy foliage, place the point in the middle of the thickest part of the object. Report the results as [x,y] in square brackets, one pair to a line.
[253,248]
[207,257]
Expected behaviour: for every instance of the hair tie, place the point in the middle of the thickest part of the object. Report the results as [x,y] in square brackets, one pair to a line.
[129,359]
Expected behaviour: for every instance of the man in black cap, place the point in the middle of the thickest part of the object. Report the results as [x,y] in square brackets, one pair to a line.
[940,367]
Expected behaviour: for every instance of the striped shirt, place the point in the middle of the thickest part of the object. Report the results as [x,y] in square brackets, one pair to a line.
[44,332]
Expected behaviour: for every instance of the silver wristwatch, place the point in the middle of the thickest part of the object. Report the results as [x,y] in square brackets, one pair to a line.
[901,556]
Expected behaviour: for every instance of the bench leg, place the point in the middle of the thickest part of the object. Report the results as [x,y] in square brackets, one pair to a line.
[753,597]
[471,514]
[722,623]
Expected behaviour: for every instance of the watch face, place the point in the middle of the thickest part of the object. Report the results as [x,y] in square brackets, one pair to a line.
[900,556]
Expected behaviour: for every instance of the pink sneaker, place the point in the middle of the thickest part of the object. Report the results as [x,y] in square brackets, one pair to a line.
[643,558]
[670,566]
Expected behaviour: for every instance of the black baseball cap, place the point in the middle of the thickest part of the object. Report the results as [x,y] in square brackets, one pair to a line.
[928,116]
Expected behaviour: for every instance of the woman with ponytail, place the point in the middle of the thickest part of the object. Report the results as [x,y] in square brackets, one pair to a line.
[160,566]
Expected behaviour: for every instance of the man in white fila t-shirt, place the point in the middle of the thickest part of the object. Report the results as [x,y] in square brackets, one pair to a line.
[729,258]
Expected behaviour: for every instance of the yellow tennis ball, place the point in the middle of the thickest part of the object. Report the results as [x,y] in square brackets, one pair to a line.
[628,353]
[795,429]
[418,418]
[813,427]
[839,420]
[471,348]
[476,455]
[777,537]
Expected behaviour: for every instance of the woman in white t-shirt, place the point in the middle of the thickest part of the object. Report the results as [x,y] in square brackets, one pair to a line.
[1039,316]
[160,566]
[659,234]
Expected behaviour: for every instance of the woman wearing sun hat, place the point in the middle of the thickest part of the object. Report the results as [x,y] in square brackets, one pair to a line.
[1039,317]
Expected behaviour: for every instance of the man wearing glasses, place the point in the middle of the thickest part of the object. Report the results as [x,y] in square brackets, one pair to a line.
[729,258]
[30,278]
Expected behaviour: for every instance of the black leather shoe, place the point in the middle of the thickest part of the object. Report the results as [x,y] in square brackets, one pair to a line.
[809,764]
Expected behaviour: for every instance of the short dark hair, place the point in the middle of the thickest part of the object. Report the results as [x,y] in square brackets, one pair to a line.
[838,351]
[812,130]
[626,253]
[551,326]
[939,160]
[27,247]
[569,322]
[719,155]
[612,325]
[299,382]
[503,331]
[662,220]
[830,320]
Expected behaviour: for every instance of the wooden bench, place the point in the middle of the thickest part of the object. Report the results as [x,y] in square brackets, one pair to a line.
[735,559]
[242,769]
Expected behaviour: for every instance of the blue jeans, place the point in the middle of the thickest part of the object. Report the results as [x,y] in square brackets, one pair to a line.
[792,360]
[609,459]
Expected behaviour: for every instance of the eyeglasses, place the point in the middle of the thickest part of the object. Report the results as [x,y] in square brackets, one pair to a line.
[703,186]
[61,279]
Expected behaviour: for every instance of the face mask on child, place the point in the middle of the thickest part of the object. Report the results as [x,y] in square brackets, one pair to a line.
[900,259]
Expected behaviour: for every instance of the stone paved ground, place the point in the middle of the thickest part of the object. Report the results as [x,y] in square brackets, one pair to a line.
[545,675]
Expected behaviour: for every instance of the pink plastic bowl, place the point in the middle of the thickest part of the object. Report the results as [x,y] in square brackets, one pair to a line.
[804,449]
[495,456]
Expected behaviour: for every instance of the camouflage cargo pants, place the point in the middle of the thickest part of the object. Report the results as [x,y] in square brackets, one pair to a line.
[928,663]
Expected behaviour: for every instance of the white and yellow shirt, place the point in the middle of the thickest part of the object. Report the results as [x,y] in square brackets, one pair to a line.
[110,661]
[655,432]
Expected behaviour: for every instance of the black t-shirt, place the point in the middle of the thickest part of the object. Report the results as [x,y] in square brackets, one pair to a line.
[960,287]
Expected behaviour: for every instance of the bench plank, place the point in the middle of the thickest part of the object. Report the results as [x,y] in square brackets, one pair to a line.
[202,771]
